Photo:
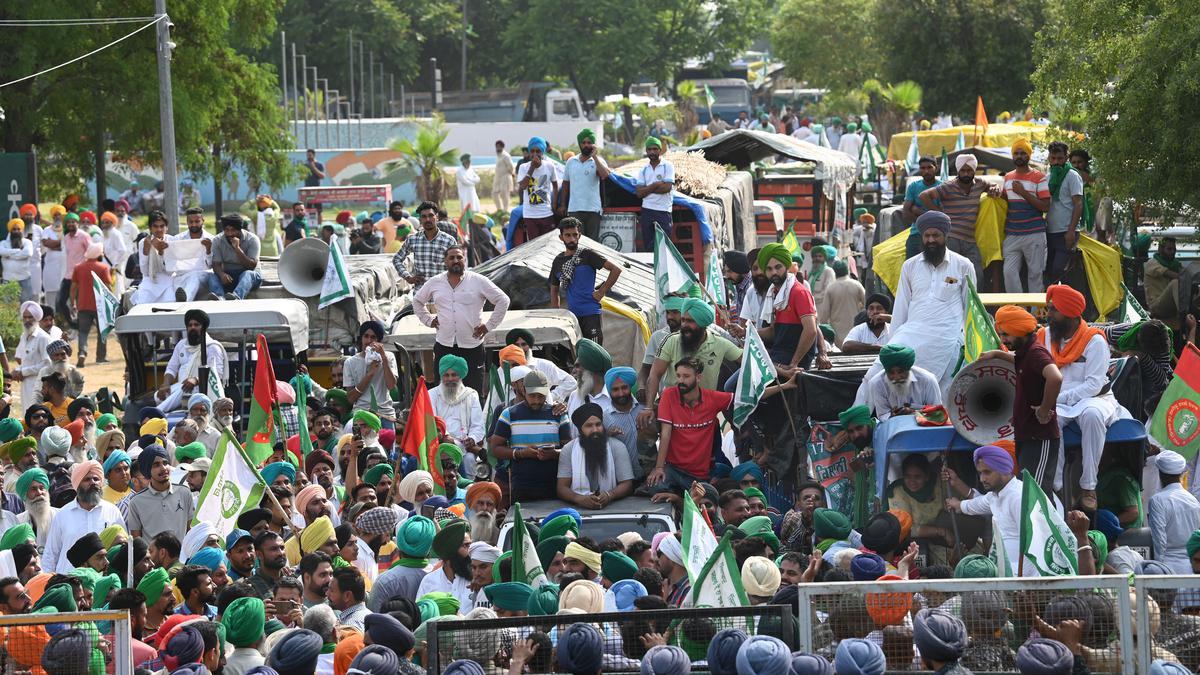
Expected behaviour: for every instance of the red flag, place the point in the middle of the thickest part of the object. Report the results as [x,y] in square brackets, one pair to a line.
[981,121]
[420,434]
[260,430]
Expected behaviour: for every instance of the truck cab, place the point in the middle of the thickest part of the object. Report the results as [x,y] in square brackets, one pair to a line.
[733,95]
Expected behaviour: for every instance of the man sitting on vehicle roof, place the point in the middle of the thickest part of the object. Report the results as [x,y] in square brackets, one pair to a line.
[458,405]
[183,369]
[593,469]
[901,388]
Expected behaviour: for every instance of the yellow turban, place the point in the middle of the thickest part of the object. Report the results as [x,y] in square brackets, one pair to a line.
[584,555]
[317,533]
[1022,144]
[153,427]
[58,210]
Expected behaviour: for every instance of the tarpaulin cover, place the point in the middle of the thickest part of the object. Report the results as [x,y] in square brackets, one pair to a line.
[742,147]
[931,143]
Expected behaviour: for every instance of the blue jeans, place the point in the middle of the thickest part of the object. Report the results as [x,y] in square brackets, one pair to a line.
[243,282]
[1057,256]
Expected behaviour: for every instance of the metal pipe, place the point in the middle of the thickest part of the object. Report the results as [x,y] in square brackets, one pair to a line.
[382,102]
[325,107]
[350,41]
[316,120]
[337,117]
[295,91]
[392,97]
[283,69]
[304,74]
[463,82]
[362,82]
[371,74]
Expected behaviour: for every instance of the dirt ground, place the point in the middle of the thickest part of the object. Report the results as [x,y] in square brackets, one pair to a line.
[96,375]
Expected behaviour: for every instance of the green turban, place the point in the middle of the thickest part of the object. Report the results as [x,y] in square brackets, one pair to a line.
[428,609]
[245,620]
[511,596]
[87,577]
[828,251]
[616,566]
[104,586]
[377,472]
[754,492]
[27,478]
[549,546]
[447,604]
[18,534]
[105,420]
[59,597]
[543,601]
[859,414]
[761,526]
[451,362]
[652,142]
[828,332]
[592,356]
[773,250]
[1100,546]
[369,418]
[557,527]
[153,584]
[700,312]
[674,303]
[415,537]
[16,449]
[496,566]
[585,135]
[859,212]
[191,451]
[1141,244]
[852,127]
[975,566]
[10,428]
[830,524]
[447,542]
[897,356]
[840,268]
[450,450]
[337,396]
[1193,543]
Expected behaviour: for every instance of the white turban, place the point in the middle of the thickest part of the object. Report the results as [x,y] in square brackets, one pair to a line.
[672,549]
[760,576]
[410,483]
[965,159]
[34,309]
[194,540]
[483,552]
[1170,462]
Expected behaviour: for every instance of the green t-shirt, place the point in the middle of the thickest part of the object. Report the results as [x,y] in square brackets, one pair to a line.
[1116,491]
[713,352]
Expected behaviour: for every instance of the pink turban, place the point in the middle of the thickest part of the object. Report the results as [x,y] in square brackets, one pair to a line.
[309,493]
[284,392]
[83,469]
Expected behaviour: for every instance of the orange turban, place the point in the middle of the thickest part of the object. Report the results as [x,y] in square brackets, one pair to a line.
[350,644]
[28,210]
[1022,144]
[513,354]
[1015,321]
[906,522]
[108,217]
[481,489]
[1011,448]
[888,609]
[1066,300]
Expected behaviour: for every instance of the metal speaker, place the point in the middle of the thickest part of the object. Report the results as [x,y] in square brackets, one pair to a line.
[302,267]
[980,401]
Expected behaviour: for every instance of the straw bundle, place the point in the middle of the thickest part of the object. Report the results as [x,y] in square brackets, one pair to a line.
[694,175]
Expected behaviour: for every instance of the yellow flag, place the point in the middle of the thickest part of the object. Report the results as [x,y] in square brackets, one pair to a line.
[989,229]
[888,256]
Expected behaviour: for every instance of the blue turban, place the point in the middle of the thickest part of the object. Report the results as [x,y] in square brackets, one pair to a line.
[700,311]
[114,459]
[933,219]
[1108,523]
[723,651]
[187,646]
[150,414]
[146,459]
[1151,568]
[581,648]
[763,655]
[625,373]
[296,652]
[939,635]
[804,663]
[567,511]
[373,326]
[995,458]
[856,656]
[275,469]
[209,557]
[375,660]
[386,630]
[200,398]
[536,143]
[1039,656]
[867,567]
[463,667]
[666,660]
[625,592]
[744,469]
[1160,667]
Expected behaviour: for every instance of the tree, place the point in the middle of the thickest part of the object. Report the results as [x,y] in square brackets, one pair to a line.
[687,95]
[891,106]
[425,156]
[828,43]
[1127,71]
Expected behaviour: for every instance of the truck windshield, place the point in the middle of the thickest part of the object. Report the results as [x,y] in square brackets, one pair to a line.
[732,96]
[566,107]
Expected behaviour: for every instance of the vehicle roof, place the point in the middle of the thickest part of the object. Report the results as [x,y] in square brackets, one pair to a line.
[549,326]
[629,506]
[274,318]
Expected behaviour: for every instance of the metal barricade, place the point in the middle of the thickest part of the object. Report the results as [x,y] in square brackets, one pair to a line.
[1172,620]
[25,637]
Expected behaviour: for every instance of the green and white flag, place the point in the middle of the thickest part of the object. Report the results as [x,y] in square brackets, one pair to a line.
[107,306]
[709,97]
[962,142]
[998,554]
[216,389]
[714,278]
[233,487]
[758,371]
[672,274]
[1131,311]
[710,565]
[698,539]
[1046,541]
[497,395]
[337,282]
[913,161]
[526,566]
[979,329]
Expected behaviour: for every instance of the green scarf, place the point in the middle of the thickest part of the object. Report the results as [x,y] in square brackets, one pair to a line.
[1173,265]
[1057,175]
[824,544]
[415,563]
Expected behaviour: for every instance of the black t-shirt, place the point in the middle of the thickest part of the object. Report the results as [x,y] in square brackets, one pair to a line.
[313,180]
[366,243]
[1031,386]
[294,230]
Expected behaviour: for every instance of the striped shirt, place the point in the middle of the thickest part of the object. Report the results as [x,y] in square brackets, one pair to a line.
[1023,217]
[962,207]
[522,426]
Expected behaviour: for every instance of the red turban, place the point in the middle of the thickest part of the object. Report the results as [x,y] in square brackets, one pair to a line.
[28,210]
[87,217]
[1066,300]
[344,217]
[1015,321]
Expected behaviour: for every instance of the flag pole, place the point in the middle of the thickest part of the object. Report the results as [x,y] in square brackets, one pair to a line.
[276,506]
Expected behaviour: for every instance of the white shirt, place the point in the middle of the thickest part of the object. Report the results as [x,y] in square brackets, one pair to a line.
[561,382]
[1084,378]
[70,523]
[354,375]
[16,259]
[752,308]
[25,517]
[180,360]
[116,251]
[652,174]
[863,333]
[436,581]
[931,304]
[1174,514]
[850,144]
[466,180]
[923,390]
[1005,509]
[460,308]
[464,418]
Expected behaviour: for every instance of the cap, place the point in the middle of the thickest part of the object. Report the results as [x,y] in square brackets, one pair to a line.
[535,383]
[201,464]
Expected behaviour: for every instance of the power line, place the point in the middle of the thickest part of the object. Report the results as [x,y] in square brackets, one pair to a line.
[80,58]
[35,23]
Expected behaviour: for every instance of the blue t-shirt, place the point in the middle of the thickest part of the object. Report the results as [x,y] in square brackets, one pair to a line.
[585,186]
[582,284]
[525,427]
[914,190]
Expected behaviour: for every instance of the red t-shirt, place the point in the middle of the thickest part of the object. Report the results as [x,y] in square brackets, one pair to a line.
[82,276]
[692,428]
[800,304]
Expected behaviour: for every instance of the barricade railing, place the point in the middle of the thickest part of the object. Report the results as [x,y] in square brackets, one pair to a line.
[490,641]
[25,637]
[998,614]
[1173,620]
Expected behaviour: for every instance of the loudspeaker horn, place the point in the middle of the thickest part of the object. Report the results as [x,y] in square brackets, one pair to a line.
[980,401]
[302,267]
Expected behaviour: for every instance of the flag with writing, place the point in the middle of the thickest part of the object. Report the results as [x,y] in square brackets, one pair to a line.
[107,306]
[233,486]
[979,330]
[714,279]
[998,554]
[672,274]
[526,566]
[216,388]
[912,162]
[1131,311]
[710,564]
[261,429]
[336,286]
[758,371]
[1175,424]
[1046,542]
[421,437]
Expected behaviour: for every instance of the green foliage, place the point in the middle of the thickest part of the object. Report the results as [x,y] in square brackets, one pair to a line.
[1128,72]
[424,156]
[891,106]
[10,317]
[829,43]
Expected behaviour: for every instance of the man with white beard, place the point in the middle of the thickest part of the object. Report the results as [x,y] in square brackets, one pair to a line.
[594,363]
[483,503]
[31,353]
[87,513]
[561,382]
[458,406]
[901,388]
[200,409]
[222,410]
[34,488]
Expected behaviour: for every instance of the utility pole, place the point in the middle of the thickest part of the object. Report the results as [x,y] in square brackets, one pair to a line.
[166,117]
[463,83]
[362,82]
[284,71]
[295,93]
[325,107]
[371,74]
[351,62]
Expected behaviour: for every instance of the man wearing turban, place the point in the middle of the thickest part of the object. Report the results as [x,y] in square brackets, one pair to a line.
[655,186]
[87,513]
[573,274]
[183,368]
[483,501]
[594,363]
[901,388]
[959,199]
[594,469]
[452,546]
[458,405]
[789,313]
[1173,514]
[537,181]
[33,487]
[821,275]
[31,352]
[1001,500]
[621,411]
[581,184]
[1028,193]
[561,382]
[693,340]
[870,336]
[466,178]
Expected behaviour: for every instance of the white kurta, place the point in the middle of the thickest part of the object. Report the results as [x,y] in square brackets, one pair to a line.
[116,252]
[192,282]
[184,364]
[52,261]
[1005,509]
[25,517]
[928,314]
[467,179]
[436,582]
[152,287]
[923,390]
[1080,400]
[561,382]
[464,418]
[1173,516]
[31,352]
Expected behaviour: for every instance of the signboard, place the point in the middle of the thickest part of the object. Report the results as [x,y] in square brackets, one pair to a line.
[346,193]
[18,179]
[618,231]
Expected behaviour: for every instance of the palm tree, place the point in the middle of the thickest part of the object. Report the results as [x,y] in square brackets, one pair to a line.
[687,95]
[891,106]
[424,155]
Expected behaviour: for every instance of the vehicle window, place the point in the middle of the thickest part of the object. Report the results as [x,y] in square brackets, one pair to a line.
[607,528]
[566,106]
[732,96]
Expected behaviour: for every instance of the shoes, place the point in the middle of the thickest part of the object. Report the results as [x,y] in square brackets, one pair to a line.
[79,363]
[101,360]
[231,296]
[180,295]
[213,296]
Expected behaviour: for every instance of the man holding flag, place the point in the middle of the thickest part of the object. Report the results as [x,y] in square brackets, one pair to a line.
[182,376]
[1001,501]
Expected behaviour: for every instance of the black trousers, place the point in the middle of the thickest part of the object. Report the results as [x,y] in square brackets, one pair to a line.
[1040,458]
[475,364]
